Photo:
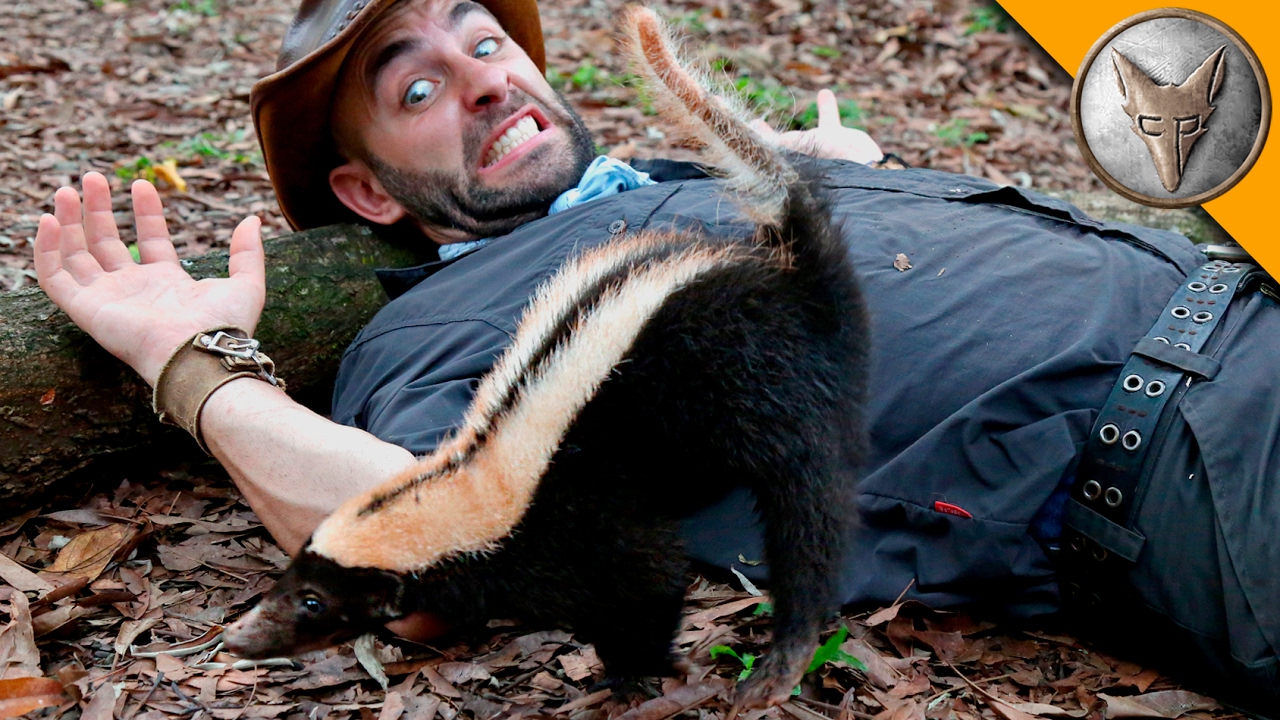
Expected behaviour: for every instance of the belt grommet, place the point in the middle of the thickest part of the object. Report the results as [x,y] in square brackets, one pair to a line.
[1196,286]
[1131,441]
[1155,388]
[1109,434]
[617,226]
[1202,317]
[1132,383]
[1218,288]
[1113,497]
[1161,339]
[1100,554]
[1078,543]
[1091,490]
[1180,312]
[1183,346]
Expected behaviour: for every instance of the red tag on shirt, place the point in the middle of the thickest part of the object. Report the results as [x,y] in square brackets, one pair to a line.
[948,508]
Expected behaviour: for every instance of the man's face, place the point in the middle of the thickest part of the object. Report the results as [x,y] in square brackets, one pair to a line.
[448,117]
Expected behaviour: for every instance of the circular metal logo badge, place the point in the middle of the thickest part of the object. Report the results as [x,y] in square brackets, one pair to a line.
[1171,108]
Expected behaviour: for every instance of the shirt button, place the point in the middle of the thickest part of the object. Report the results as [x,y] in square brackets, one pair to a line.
[617,226]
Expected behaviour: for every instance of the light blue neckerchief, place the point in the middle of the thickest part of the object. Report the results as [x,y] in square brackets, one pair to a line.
[604,176]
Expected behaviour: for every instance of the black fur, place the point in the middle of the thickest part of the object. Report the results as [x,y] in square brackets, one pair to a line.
[752,375]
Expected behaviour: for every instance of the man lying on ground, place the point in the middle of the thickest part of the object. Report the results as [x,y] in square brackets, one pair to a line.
[995,354]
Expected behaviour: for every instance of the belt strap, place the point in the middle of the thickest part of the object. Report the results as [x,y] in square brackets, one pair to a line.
[1107,481]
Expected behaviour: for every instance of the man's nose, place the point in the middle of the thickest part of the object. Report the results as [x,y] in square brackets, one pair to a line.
[483,84]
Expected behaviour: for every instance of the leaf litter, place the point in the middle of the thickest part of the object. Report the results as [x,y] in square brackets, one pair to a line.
[113,609]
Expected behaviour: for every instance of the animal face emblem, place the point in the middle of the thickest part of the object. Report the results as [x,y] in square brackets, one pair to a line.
[1170,118]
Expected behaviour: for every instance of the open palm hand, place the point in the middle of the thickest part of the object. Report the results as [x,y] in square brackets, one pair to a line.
[140,312]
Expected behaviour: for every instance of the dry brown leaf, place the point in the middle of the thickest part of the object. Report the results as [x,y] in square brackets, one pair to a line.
[19,657]
[1007,711]
[22,578]
[369,660]
[676,701]
[884,615]
[585,701]
[916,685]
[48,622]
[89,553]
[581,664]
[703,617]
[438,684]
[392,706]
[878,671]
[1141,680]
[102,705]
[19,696]
[1164,704]
[130,630]
[901,262]
[460,673]
[1046,709]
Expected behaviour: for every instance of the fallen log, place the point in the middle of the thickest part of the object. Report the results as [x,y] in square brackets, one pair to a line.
[66,403]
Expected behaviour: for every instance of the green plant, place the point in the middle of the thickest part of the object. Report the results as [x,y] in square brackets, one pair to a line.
[763,609]
[588,76]
[203,7]
[955,133]
[826,52]
[830,650]
[690,21]
[987,17]
[850,115]
[140,169]
[747,659]
[769,96]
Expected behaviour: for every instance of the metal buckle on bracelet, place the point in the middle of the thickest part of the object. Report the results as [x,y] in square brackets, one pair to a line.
[238,353]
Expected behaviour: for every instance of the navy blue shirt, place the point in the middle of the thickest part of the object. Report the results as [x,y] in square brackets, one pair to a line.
[991,358]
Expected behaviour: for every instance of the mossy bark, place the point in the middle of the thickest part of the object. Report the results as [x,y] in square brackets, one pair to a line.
[65,402]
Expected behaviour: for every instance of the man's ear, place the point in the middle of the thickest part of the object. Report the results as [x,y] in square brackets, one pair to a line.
[358,189]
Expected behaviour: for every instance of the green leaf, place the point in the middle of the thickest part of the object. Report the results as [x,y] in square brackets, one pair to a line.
[826,52]
[763,609]
[718,650]
[827,651]
[133,251]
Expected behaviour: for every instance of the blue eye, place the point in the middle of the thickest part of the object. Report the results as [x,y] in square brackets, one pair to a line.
[419,91]
[312,605]
[488,46]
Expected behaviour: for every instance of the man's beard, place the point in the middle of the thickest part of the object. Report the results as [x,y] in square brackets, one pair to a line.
[443,199]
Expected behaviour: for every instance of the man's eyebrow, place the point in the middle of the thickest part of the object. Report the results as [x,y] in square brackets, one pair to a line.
[384,58]
[401,47]
[463,9]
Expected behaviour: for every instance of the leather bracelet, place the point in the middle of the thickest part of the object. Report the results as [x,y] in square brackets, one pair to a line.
[204,363]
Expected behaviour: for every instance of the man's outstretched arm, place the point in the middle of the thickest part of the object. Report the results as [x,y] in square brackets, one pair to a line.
[293,466]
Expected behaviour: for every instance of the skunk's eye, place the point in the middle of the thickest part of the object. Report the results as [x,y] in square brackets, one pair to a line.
[312,604]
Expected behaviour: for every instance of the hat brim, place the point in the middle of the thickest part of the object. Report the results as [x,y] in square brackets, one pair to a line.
[291,113]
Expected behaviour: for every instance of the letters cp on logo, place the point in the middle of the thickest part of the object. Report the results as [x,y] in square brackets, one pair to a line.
[1171,108]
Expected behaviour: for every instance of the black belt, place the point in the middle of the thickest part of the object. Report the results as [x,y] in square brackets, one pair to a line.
[1163,365]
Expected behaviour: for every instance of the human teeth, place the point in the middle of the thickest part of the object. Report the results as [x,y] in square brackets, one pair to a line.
[524,129]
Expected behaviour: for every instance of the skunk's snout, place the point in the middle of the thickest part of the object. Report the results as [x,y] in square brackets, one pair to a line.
[257,635]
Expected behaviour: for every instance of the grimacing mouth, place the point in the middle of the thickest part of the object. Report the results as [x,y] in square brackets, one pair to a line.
[519,128]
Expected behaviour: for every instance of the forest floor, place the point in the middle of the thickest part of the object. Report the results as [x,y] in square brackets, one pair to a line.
[121,596]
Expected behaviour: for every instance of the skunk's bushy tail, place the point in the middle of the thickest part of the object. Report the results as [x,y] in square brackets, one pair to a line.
[791,208]
[750,165]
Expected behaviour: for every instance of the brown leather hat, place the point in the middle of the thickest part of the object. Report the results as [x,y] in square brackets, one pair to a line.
[291,106]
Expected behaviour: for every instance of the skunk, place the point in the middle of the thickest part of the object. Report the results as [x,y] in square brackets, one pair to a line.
[647,378]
